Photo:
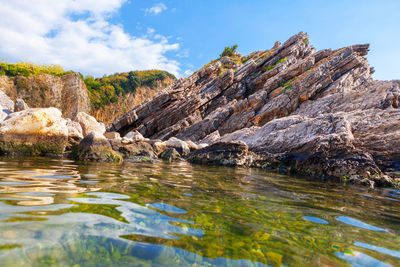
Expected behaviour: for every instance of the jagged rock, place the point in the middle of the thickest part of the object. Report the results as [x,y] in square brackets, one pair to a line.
[315,112]
[330,145]
[38,131]
[90,124]
[170,154]
[222,153]
[211,138]
[179,145]
[74,129]
[112,135]
[135,136]
[6,102]
[95,147]
[20,105]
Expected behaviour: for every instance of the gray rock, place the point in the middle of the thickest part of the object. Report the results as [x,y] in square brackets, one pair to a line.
[170,154]
[95,147]
[4,112]
[222,153]
[6,102]
[89,124]
[20,105]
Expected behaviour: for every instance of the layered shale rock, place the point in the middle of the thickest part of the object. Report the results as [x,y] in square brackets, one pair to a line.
[314,112]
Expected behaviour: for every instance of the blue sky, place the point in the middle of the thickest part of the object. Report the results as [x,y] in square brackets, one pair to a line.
[183,35]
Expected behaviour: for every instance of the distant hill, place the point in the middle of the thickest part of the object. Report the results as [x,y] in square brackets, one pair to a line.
[105,98]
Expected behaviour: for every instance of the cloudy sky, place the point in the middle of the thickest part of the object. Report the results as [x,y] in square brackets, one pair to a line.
[100,37]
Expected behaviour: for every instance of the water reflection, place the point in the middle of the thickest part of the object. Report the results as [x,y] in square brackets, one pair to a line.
[60,213]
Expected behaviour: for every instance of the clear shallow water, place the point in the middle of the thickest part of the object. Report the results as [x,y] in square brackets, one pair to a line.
[60,213]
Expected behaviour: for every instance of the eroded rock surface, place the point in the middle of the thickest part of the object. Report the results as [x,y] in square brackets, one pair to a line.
[40,131]
[314,112]
[67,93]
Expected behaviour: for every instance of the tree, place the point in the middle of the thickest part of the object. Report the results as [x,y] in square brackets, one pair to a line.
[134,81]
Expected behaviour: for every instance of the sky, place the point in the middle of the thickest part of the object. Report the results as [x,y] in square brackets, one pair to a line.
[98,37]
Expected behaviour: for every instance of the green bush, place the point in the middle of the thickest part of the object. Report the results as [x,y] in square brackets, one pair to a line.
[229,51]
[26,69]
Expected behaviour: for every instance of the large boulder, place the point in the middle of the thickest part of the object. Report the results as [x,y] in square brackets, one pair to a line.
[37,131]
[95,147]
[138,151]
[90,124]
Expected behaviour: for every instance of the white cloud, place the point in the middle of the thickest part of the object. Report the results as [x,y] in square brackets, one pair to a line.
[183,53]
[157,9]
[188,72]
[79,36]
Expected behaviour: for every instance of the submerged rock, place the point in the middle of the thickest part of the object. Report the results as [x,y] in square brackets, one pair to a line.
[39,131]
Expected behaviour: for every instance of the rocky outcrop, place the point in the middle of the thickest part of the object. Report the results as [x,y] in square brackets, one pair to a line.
[313,112]
[67,93]
[39,131]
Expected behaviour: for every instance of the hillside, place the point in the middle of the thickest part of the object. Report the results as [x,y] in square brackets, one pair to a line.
[112,96]
[106,98]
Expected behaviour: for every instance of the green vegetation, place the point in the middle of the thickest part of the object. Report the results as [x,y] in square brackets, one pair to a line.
[276,64]
[229,51]
[106,90]
[26,69]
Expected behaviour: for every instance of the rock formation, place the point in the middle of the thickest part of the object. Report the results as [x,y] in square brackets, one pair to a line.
[40,131]
[67,93]
[312,112]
